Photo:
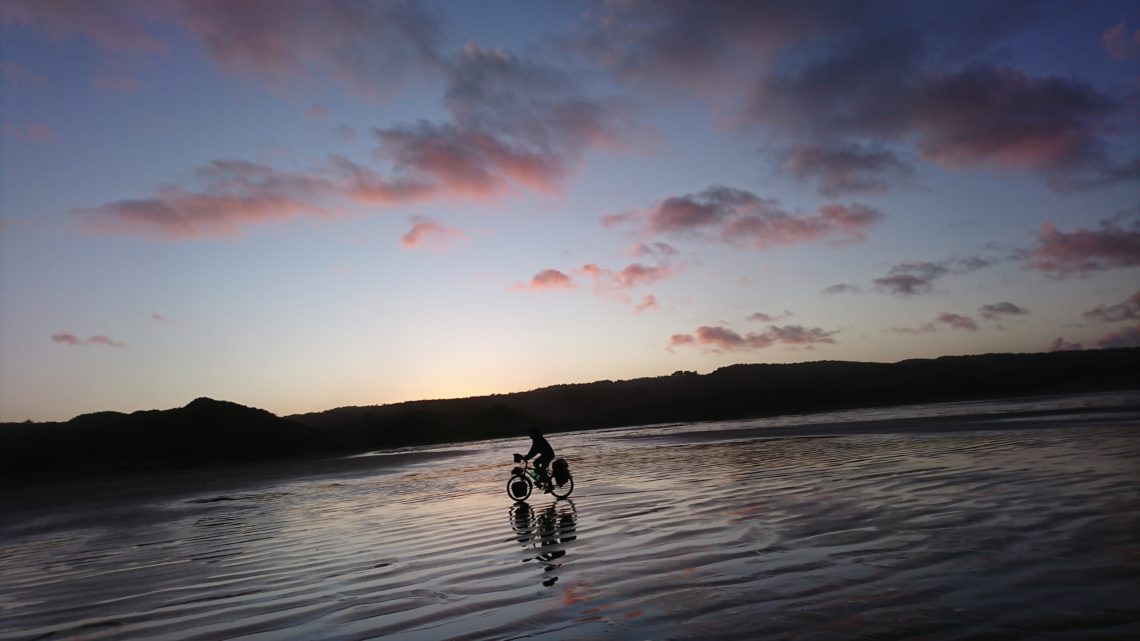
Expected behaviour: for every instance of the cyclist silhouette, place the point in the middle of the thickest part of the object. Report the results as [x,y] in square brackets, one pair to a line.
[543,454]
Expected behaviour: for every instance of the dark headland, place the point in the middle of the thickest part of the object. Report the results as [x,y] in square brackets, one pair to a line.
[208,432]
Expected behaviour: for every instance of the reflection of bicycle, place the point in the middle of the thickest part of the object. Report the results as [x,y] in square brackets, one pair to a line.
[523,480]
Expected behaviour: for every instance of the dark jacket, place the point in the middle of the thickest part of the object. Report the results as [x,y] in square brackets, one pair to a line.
[540,446]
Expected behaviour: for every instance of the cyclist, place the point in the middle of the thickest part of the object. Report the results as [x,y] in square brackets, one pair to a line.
[543,454]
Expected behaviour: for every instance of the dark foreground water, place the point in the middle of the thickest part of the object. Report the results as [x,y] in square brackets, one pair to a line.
[996,520]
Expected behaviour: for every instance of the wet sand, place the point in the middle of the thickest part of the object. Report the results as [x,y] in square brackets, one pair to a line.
[1016,520]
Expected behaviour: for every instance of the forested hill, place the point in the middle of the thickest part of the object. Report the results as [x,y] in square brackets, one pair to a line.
[207,432]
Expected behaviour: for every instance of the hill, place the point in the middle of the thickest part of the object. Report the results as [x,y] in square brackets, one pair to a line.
[209,432]
[203,432]
[737,391]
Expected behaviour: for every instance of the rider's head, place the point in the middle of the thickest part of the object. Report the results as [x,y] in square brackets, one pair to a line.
[534,433]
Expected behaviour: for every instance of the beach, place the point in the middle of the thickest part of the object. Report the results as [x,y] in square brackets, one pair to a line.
[1015,519]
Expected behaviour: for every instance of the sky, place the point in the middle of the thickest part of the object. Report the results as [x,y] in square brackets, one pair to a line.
[303,205]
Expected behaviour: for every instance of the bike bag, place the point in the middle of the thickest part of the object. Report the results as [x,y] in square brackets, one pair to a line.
[560,469]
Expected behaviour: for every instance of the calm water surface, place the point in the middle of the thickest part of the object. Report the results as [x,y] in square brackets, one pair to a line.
[996,520]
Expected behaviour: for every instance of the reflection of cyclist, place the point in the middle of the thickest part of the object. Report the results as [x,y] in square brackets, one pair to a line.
[543,453]
[546,533]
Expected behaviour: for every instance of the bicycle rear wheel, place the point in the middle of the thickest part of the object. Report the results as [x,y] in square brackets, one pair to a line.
[564,490]
[519,487]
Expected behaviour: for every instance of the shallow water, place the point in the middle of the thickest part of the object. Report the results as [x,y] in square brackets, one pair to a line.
[996,520]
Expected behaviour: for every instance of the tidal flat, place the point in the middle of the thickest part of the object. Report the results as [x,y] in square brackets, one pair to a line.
[1012,519]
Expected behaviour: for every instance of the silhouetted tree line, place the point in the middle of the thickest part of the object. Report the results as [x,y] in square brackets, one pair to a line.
[208,431]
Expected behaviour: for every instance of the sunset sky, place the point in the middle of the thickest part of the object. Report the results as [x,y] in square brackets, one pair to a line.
[303,205]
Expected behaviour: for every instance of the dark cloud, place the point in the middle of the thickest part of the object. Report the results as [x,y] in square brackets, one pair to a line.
[949,319]
[65,338]
[1113,244]
[692,42]
[1127,310]
[739,216]
[371,48]
[840,288]
[849,168]
[768,318]
[1059,344]
[910,279]
[721,338]
[957,321]
[839,80]
[995,311]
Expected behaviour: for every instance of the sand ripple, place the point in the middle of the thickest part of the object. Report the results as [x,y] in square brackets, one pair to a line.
[932,527]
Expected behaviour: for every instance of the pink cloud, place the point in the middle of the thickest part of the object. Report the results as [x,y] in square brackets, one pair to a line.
[468,162]
[721,338]
[1127,310]
[237,194]
[71,339]
[1003,115]
[513,123]
[680,340]
[36,132]
[318,112]
[648,302]
[429,232]
[547,280]
[1084,250]
[234,195]
[1121,44]
[739,216]
[615,284]
[159,317]
[1126,337]
[957,321]
[364,185]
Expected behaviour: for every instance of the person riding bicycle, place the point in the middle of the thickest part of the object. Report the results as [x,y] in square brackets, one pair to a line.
[543,454]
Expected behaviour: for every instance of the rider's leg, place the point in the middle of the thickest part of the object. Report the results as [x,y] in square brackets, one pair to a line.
[540,464]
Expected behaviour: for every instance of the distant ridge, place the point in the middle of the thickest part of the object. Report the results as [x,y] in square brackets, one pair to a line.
[735,391]
[208,431]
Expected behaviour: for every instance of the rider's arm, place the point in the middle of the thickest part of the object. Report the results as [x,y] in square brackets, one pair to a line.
[533,450]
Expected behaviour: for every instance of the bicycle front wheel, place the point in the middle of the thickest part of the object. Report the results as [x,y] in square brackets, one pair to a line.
[519,487]
[564,490]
